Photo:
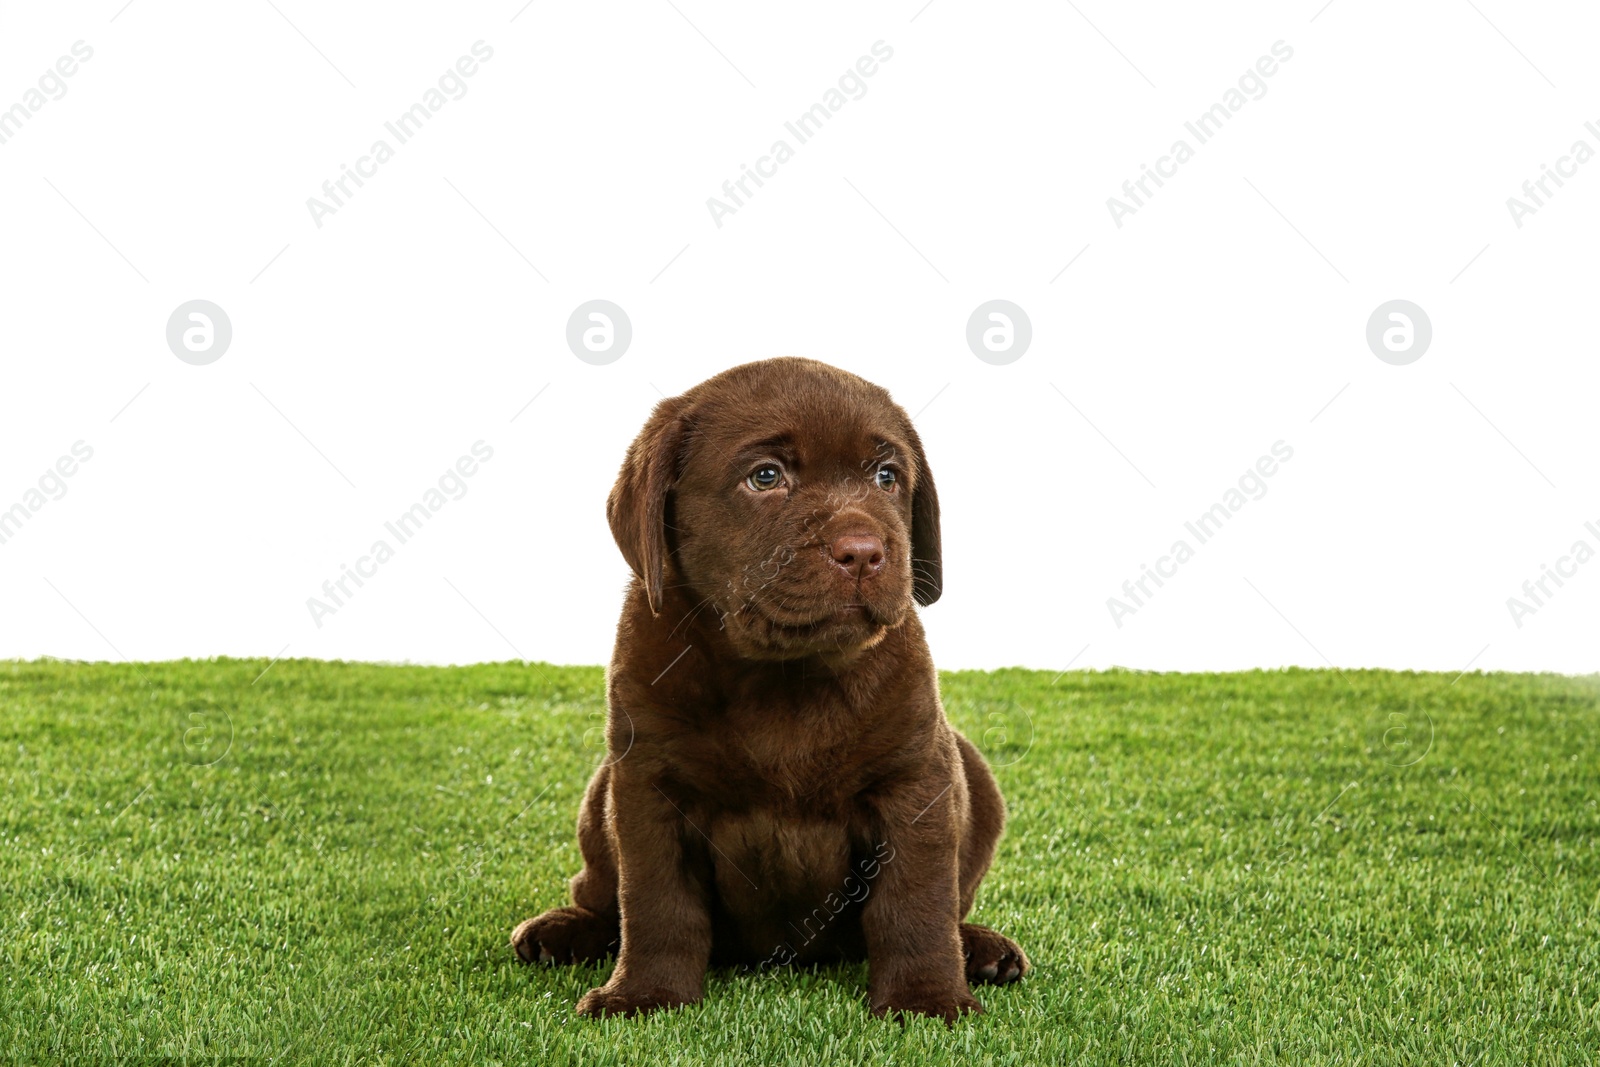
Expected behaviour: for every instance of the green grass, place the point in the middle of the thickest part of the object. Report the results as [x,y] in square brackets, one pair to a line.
[1298,866]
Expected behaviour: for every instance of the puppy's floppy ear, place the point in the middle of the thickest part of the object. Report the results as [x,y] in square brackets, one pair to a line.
[927,559]
[637,506]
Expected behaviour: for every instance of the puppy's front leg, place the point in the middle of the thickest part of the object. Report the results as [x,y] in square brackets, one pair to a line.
[666,922]
[911,917]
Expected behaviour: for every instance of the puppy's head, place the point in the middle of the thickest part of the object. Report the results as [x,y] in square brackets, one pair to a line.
[792,498]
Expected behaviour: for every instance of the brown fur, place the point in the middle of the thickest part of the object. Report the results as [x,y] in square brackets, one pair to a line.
[781,783]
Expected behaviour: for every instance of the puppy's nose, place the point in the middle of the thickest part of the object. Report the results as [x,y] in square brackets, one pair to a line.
[859,554]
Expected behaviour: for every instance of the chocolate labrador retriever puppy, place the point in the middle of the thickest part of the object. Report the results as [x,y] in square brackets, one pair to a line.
[781,784]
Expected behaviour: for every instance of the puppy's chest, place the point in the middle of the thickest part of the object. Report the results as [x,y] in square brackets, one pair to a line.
[763,756]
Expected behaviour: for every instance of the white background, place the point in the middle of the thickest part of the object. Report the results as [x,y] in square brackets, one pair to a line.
[1227,314]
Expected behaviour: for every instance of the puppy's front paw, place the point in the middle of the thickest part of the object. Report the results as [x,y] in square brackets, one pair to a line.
[948,1005]
[626,1001]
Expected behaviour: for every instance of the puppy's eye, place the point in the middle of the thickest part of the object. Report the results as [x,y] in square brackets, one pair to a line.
[887,478]
[764,477]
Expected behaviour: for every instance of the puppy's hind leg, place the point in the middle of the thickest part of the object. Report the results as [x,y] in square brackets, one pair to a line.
[985,818]
[591,929]
[990,956]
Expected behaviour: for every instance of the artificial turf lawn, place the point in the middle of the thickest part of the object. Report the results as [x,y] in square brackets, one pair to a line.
[1357,867]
